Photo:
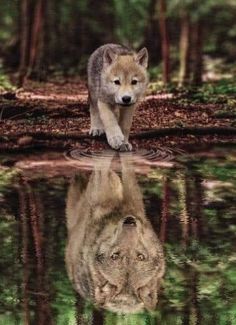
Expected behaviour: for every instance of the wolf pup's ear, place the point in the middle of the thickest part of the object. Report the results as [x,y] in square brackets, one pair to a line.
[109,56]
[142,57]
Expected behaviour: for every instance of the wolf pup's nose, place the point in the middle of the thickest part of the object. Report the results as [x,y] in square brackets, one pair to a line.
[126,99]
[129,221]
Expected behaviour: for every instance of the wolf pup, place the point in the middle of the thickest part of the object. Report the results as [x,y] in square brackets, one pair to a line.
[117,80]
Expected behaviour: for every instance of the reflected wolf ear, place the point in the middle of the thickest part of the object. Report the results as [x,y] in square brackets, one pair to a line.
[149,293]
[109,56]
[149,297]
[142,57]
[105,293]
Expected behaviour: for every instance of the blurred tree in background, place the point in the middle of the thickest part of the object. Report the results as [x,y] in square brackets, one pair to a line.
[41,37]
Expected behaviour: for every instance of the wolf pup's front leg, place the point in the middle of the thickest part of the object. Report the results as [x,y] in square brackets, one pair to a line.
[114,135]
[117,80]
[125,122]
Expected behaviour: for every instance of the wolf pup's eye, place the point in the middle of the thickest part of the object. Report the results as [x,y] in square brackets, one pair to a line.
[134,82]
[116,82]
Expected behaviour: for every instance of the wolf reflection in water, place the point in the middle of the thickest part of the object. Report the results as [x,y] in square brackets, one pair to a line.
[113,255]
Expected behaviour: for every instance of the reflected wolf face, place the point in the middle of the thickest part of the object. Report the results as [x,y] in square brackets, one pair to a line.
[120,264]
[127,263]
[124,77]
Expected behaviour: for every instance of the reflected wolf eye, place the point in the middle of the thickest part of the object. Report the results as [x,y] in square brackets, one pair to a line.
[116,82]
[100,257]
[140,257]
[115,256]
[134,82]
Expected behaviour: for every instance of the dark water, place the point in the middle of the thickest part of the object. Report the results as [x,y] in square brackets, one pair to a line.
[147,238]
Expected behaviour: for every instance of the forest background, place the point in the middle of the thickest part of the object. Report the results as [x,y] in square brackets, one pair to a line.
[185,38]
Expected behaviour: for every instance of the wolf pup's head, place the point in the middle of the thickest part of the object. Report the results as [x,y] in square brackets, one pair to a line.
[124,77]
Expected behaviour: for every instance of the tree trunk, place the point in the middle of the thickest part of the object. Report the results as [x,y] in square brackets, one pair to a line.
[165,44]
[37,38]
[184,49]
[152,34]
[184,208]
[43,315]
[25,252]
[165,209]
[24,39]
[197,35]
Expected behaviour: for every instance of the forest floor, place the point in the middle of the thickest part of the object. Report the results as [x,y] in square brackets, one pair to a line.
[55,115]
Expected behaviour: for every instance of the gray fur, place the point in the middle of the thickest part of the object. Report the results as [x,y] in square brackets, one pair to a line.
[95,66]
[109,114]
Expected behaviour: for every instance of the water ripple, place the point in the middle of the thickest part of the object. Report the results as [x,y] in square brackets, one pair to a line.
[162,154]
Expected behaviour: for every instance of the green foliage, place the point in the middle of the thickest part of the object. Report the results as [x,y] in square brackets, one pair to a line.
[6,178]
[8,19]
[10,266]
[198,9]
[132,319]
[5,84]
[218,171]
[155,73]
[130,17]
[221,91]
[75,28]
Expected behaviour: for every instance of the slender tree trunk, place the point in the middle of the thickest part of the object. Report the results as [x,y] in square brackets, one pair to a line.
[43,307]
[197,48]
[25,39]
[37,35]
[25,253]
[184,49]
[198,226]
[152,34]
[184,209]
[165,44]
[165,209]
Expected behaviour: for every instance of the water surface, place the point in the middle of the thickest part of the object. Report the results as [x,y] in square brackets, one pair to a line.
[103,238]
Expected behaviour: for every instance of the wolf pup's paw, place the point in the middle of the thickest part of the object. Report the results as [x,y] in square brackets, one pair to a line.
[96,131]
[126,146]
[116,141]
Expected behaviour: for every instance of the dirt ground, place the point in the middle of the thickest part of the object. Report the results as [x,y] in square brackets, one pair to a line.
[55,115]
